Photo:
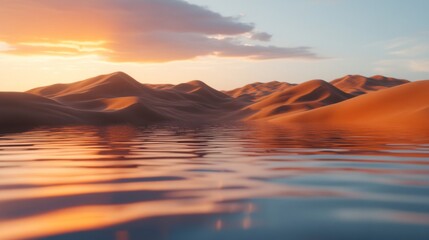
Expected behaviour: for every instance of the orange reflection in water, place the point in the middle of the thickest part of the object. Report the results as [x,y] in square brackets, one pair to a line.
[122,235]
[219,225]
[89,217]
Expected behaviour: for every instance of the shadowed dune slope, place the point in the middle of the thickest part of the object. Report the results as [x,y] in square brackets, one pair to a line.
[357,85]
[258,90]
[404,105]
[160,86]
[24,109]
[303,97]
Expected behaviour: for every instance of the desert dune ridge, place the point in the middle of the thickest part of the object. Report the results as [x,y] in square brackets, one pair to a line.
[117,98]
[405,105]
[358,85]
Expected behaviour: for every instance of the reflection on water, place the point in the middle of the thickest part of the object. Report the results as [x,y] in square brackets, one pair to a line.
[214,182]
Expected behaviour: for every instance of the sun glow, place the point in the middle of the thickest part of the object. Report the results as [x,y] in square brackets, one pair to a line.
[4,46]
[72,47]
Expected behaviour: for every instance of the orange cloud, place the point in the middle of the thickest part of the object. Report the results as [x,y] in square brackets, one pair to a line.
[131,31]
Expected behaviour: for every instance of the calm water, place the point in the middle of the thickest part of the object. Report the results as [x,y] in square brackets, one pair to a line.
[214,182]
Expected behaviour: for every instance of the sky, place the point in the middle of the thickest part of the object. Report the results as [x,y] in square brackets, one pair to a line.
[226,43]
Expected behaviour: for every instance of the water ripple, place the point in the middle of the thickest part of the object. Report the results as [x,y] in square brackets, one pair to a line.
[234,180]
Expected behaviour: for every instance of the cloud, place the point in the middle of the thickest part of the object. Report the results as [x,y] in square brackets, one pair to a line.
[408,47]
[406,54]
[420,65]
[399,66]
[132,31]
[5,47]
[261,36]
[389,66]
[325,1]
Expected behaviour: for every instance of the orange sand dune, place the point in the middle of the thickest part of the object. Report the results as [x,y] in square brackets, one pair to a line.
[357,85]
[258,90]
[117,98]
[305,96]
[404,105]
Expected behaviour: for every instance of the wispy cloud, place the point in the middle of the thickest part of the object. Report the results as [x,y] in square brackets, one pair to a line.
[420,65]
[261,36]
[408,47]
[132,31]
[406,54]
[5,47]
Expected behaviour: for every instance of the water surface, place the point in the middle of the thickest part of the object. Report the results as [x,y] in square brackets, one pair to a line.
[213,182]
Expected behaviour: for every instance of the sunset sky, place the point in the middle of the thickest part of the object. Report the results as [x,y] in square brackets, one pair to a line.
[226,43]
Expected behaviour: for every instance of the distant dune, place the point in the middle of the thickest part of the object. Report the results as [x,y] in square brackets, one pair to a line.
[117,98]
[358,85]
[404,105]
[258,90]
[201,92]
[303,97]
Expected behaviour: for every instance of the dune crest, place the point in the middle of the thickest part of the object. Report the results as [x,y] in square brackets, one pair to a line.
[199,91]
[255,91]
[305,96]
[358,85]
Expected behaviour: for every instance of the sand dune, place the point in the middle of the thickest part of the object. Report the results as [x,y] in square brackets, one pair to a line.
[258,90]
[199,91]
[120,84]
[117,98]
[160,86]
[23,110]
[357,85]
[404,105]
[117,84]
[19,110]
[303,97]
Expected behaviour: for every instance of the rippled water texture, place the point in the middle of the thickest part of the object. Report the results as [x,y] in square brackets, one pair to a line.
[214,182]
